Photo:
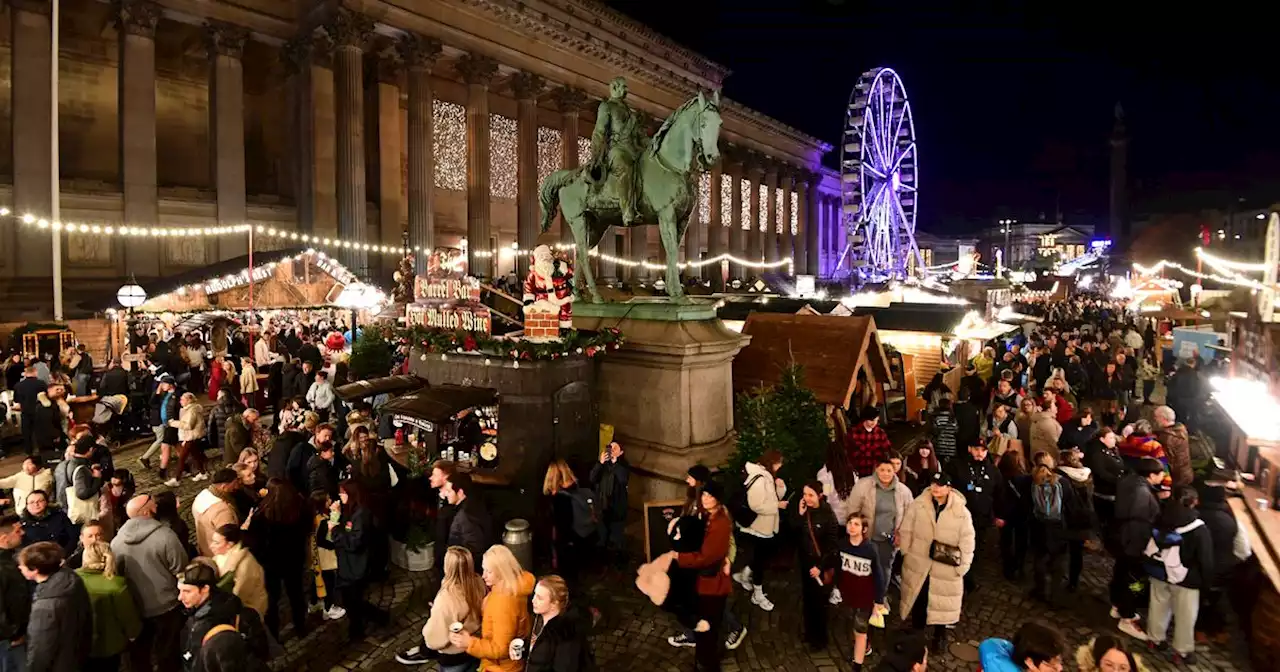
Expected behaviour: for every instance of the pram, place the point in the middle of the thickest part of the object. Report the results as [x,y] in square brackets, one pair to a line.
[108,413]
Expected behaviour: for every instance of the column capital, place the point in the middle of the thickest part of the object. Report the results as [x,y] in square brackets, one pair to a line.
[384,68]
[33,6]
[224,39]
[526,85]
[753,163]
[476,69]
[349,29]
[137,17]
[569,100]
[418,52]
[303,51]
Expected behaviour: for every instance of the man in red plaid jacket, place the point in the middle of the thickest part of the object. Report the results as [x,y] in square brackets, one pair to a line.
[867,442]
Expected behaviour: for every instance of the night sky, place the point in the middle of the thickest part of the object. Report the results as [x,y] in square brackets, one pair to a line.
[1013,108]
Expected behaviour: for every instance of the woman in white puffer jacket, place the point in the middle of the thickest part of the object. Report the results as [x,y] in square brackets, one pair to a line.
[766,498]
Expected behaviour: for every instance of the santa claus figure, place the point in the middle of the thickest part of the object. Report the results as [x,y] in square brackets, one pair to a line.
[549,286]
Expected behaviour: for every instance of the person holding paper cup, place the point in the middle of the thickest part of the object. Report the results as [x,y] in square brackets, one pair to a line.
[456,609]
[505,614]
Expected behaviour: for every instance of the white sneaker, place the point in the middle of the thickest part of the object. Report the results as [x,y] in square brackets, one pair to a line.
[334,613]
[759,599]
[743,578]
[173,483]
[1129,626]
[835,596]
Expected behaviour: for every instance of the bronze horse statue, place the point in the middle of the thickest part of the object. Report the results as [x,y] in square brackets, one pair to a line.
[666,188]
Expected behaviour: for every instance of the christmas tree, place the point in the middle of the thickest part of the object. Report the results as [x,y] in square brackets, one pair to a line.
[404,276]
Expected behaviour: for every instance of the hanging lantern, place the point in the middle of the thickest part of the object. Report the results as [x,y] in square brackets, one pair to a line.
[131,295]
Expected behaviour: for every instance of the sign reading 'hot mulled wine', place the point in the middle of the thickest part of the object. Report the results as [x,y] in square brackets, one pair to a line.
[447,298]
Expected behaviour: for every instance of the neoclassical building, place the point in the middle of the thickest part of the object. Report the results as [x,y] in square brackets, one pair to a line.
[358,120]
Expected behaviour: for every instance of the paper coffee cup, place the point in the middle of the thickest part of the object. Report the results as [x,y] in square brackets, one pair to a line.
[516,650]
[455,627]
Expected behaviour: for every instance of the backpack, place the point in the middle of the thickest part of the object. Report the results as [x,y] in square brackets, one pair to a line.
[1045,508]
[585,519]
[1164,553]
[1202,450]
[742,513]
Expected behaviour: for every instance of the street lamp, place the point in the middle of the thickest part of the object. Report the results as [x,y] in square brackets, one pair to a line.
[130,296]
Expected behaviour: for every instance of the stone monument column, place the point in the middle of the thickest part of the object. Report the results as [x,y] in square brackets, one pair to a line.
[769,236]
[388,174]
[527,87]
[308,59]
[419,55]
[755,236]
[136,24]
[787,246]
[693,233]
[804,243]
[226,132]
[478,72]
[715,230]
[569,102]
[349,32]
[737,246]
[31,100]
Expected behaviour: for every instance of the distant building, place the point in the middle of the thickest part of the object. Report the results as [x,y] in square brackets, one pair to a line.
[1033,245]
[1237,232]
[937,250]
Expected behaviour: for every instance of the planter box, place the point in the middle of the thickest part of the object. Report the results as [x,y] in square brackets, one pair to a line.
[420,561]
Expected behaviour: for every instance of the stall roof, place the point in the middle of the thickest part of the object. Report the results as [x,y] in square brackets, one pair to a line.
[164,285]
[441,402]
[375,386]
[926,317]
[831,349]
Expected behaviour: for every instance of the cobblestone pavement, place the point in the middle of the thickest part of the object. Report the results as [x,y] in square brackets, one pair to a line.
[631,635]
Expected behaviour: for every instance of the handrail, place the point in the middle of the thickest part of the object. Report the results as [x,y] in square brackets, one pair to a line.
[508,297]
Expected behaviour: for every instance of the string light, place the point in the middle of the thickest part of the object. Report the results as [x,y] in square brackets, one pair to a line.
[1227,263]
[584,151]
[704,198]
[795,213]
[762,196]
[744,190]
[1235,280]
[449,145]
[779,209]
[549,153]
[726,199]
[503,141]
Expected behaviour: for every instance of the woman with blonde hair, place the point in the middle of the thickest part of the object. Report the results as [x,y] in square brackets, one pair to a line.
[459,600]
[558,642]
[573,530]
[1050,503]
[116,620]
[191,433]
[505,613]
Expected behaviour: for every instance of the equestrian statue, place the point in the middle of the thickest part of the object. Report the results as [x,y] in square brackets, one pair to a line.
[634,181]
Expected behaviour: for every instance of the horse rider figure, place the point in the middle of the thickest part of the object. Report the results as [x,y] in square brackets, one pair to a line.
[616,144]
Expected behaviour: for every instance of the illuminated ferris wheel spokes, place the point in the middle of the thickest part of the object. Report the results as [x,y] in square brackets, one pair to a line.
[879,178]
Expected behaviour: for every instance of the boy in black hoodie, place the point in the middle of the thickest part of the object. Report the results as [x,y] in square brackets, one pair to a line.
[1179,560]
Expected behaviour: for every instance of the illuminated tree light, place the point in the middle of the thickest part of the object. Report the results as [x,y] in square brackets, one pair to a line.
[763,196]
[795,213]
[779,212]
[549,152]
[704,198]
[584,151]
[744,191]
[504,145]
[449,145]
[726,199]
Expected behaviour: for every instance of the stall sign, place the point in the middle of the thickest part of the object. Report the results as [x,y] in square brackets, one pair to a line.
[451,317]
[240,279]
[332,267]
[398,420]
[430,288]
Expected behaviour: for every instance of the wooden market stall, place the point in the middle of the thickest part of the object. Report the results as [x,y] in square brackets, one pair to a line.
[842,357]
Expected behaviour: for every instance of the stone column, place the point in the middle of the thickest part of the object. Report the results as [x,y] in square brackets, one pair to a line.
[527,87]
[834,230]
[478,72]
[737,247]
[755,237]
[570,102]
[787,241]
[349,32]
[715,231]
[809,225]
[226,131]
[419,55]
[309,62]
[136,24]
[23,253]
[384,118]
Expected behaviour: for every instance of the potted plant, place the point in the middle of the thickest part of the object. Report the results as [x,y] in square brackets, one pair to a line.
[412,533]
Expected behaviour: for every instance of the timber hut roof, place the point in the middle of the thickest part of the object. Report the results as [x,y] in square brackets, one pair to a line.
[440,402]
[170,283]
[831,349]
[924,317]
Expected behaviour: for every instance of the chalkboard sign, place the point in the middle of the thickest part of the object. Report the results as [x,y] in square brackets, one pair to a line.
[657,515]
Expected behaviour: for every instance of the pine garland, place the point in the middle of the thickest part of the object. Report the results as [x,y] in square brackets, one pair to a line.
[573,343]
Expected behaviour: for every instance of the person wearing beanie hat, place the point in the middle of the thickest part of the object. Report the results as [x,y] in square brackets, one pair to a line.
[699,473]
[1137,507]
[712,584]
[215,507]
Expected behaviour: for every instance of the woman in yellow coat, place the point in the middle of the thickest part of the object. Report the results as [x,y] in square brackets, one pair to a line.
[505,614]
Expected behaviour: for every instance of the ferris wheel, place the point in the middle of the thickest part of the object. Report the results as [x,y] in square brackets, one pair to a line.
[878,176]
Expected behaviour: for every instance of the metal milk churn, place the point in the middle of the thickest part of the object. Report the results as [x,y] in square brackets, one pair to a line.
[519,538]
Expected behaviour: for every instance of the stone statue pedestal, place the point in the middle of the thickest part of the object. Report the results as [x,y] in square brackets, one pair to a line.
[669,391]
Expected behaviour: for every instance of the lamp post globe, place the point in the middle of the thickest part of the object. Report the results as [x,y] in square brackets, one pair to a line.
[131,295]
